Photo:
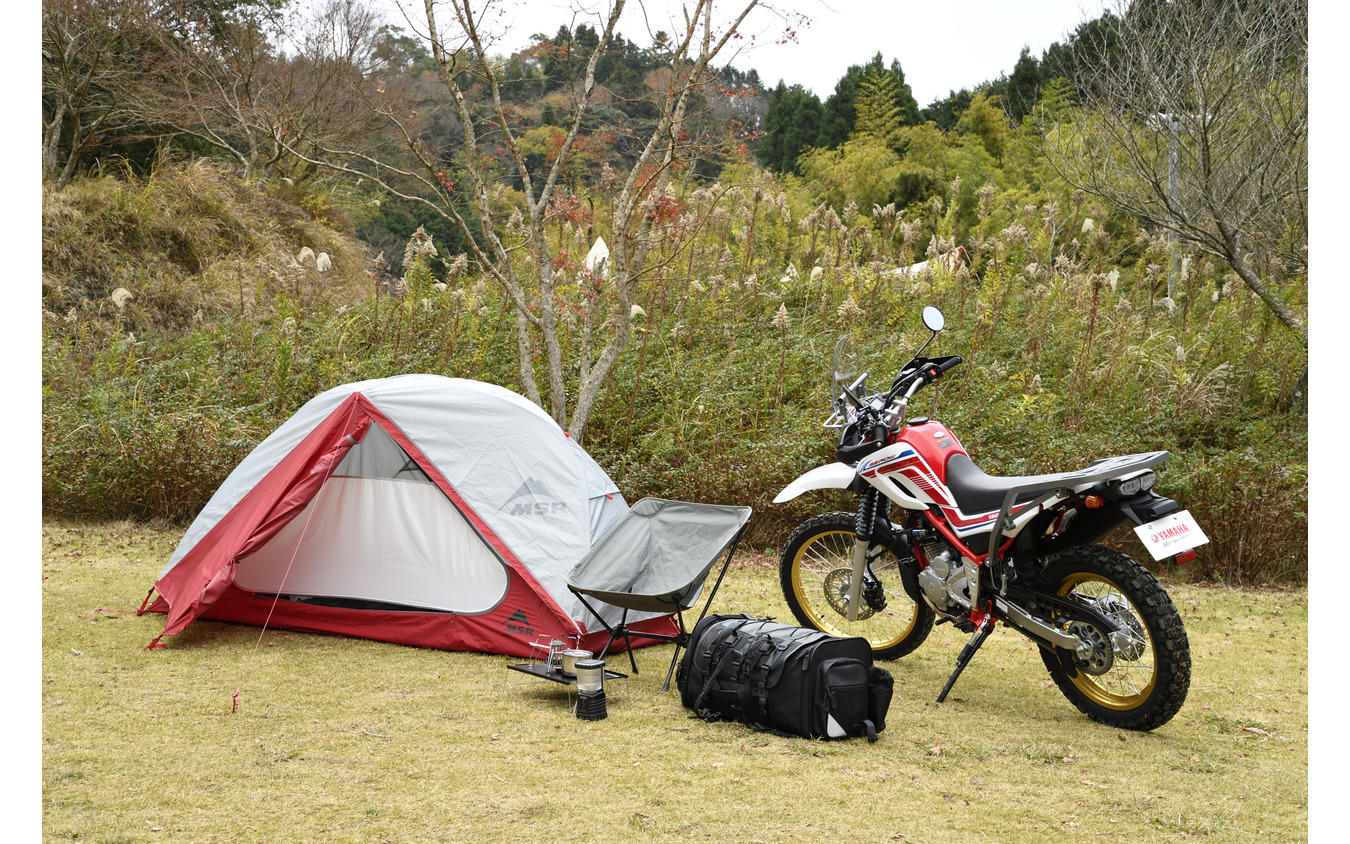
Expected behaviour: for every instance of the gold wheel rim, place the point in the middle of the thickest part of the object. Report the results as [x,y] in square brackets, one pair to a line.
[1128,683]
[831,550]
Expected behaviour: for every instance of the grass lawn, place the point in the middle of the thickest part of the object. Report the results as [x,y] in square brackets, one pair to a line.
[341,739]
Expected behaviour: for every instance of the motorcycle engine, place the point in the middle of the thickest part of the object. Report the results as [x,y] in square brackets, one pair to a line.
[944,581]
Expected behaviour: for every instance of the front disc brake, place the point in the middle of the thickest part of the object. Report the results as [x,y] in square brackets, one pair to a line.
[836,593]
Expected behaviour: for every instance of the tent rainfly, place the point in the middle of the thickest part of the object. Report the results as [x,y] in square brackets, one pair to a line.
[418,509]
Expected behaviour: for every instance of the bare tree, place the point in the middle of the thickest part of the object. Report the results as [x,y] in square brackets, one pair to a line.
[217,84]
[230,80]
[96,59]
[462,47]
[1194,119]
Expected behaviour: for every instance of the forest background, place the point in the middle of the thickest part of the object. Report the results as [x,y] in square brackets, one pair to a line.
[244,205]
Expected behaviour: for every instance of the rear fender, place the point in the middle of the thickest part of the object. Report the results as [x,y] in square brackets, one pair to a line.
[1091,526]
[831,476]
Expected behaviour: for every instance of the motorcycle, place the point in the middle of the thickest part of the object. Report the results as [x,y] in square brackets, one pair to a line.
[936,540]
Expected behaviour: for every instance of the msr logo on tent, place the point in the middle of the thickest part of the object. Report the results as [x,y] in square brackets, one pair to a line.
[518,624]
[534,498]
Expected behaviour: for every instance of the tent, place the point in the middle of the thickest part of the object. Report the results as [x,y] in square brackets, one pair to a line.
[416,509]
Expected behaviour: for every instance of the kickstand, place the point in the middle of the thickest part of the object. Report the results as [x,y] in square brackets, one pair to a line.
[967,653]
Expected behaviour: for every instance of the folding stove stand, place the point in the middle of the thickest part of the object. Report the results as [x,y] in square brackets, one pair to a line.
[655,560]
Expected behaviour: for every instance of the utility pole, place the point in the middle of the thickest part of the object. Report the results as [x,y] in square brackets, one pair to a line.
[1172,194]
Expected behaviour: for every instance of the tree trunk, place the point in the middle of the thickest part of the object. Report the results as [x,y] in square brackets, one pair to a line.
[525,352]
[589,390]
[51,141]
[1233,254]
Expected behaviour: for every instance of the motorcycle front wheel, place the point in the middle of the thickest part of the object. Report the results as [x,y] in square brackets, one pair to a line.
[815,570]
[1138,678]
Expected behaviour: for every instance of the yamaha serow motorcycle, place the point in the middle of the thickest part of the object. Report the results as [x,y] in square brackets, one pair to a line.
[934,537]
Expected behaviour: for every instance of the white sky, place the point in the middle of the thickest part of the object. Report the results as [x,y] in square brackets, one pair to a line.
[942,46]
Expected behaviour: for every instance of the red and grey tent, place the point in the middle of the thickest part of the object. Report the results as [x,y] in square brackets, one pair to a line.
[417,509]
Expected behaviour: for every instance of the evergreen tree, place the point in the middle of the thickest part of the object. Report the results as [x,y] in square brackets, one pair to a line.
[841,108]
[1023,86]
[792,124]
[878,109]
[1095,37]
[946,112]
[909,107]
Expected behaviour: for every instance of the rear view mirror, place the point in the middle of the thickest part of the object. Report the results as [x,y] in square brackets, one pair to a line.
[933,318]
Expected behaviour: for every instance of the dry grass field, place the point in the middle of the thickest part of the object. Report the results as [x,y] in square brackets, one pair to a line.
[341,739]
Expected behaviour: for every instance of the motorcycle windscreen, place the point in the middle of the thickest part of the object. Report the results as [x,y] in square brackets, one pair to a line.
[386,540]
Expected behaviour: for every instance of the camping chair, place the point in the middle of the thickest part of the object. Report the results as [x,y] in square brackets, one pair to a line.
[655,559]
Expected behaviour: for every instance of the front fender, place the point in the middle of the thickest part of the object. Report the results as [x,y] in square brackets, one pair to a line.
[832,476]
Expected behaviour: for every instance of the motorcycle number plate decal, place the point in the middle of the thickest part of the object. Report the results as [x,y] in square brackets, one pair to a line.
[1172,534]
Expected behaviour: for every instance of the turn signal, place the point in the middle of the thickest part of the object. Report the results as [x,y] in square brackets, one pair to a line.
[1092,502]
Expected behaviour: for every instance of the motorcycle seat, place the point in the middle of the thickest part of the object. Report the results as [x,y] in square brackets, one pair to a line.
[976,492]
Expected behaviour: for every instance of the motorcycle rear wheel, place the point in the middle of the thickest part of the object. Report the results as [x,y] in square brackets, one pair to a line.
[1140,681]
[814,571]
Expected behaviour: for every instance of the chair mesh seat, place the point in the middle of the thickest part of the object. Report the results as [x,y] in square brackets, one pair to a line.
[657,556]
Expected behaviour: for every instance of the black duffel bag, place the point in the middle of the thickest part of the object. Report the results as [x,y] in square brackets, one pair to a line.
[783,679]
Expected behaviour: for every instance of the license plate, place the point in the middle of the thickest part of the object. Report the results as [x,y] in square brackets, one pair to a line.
[1172,534]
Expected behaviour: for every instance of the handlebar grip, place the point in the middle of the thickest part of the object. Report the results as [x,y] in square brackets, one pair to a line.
[949,363]
[879,432]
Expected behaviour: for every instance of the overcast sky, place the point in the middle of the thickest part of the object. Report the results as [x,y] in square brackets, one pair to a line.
[942,46]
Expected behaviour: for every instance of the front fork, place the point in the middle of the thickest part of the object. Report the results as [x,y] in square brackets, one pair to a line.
[862,540]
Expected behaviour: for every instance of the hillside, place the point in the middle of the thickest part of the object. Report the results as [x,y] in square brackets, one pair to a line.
[152,395]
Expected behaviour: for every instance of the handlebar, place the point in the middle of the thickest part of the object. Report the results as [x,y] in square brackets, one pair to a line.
[924,372]
[880,413]
[948,362]
[933,369]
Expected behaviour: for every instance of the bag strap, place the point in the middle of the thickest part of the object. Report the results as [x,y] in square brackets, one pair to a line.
[699,711]
[755,679]
[871,730]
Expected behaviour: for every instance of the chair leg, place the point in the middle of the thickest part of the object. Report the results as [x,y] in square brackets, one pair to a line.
[621,632]
[628,640]
[671,671]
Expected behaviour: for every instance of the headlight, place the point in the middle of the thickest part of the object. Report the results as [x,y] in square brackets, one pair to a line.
[1136,485]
